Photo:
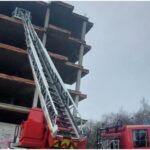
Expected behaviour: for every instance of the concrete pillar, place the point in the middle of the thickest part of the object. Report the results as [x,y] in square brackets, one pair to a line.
[79,73]
[44,39]
[35,98]
[46,23]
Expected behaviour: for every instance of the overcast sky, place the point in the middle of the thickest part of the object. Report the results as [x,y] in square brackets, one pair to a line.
[119,61]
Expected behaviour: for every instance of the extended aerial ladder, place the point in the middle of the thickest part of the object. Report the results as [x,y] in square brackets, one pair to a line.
[59,128]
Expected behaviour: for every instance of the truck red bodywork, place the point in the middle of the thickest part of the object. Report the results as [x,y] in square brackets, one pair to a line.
[128,137]
[35,134]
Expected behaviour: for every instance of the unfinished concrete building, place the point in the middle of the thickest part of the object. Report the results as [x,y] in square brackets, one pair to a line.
[62,32]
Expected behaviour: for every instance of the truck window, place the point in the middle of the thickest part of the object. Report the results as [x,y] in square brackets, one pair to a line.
[140,138]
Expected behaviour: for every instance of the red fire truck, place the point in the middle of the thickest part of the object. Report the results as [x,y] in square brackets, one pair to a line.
[124,137]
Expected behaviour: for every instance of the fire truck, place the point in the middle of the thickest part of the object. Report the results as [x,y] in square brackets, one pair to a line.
[124,137]
[58,123]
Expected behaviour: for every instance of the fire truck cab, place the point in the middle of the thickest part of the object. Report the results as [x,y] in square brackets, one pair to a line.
[125,137]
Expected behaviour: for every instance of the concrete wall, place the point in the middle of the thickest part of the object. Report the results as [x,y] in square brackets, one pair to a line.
[6,134]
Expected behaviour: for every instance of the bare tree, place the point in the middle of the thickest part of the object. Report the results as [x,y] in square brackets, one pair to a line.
[112,118]
[91,133]
[142,116]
